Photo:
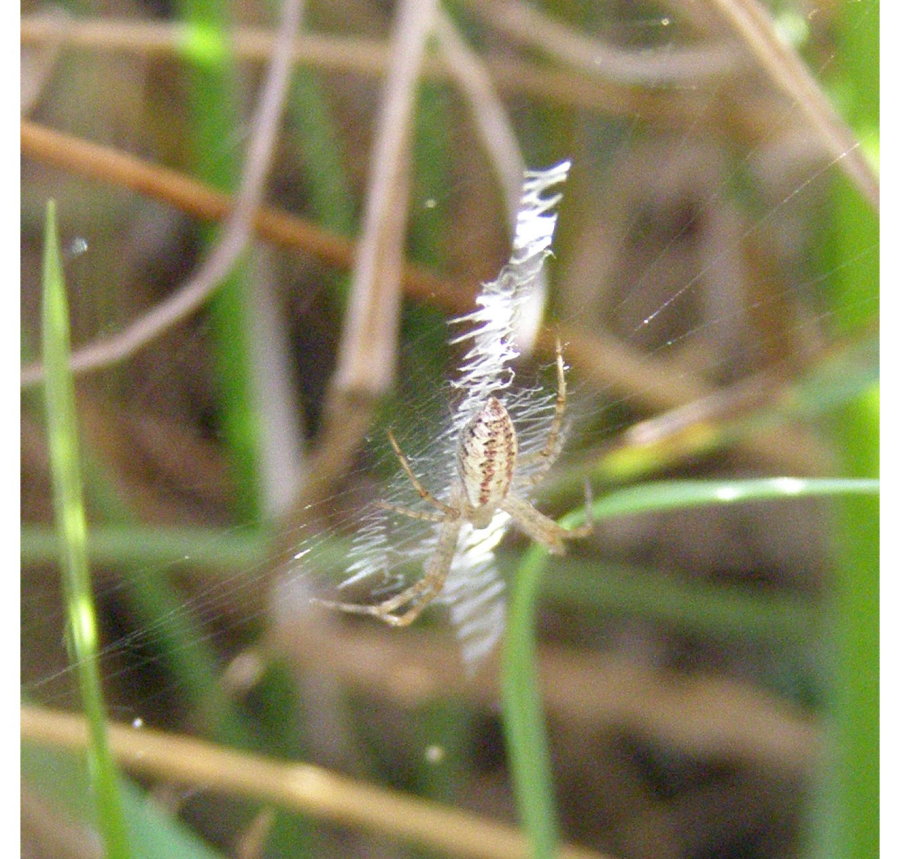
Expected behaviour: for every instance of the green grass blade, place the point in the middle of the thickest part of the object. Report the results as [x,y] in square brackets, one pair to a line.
[214,140]
[687,605]
[321,152]
[140,546]
[526,740]
[61,777]
[523,717]
[71,523]
[854,620]
[845,820]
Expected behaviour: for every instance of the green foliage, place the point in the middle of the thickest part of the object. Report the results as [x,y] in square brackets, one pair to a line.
[523,716]
[213,98]
[71,526]
[152,832]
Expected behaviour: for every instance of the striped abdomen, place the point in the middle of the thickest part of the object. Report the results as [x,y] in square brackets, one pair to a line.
[487,458]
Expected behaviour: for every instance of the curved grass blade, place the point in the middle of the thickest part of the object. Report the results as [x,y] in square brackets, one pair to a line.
[523,719]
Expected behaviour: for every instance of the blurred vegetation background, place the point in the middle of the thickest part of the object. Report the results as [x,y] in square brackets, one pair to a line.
[709,674]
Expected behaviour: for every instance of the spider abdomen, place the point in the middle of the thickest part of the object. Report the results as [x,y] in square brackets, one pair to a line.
[487,459]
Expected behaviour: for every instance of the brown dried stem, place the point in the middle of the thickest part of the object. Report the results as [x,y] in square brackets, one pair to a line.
[303,788]
[782,65]
[528,25]
[367,353]
[488,113]
[499,140]
[370,58]
[237,230]
[110,165]
[603,361]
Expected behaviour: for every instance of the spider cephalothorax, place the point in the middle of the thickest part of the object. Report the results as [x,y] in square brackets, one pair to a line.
[487,462]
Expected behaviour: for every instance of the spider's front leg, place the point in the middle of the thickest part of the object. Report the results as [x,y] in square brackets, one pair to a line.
[549,453]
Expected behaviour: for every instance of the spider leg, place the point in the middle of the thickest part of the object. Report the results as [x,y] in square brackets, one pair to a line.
[418,595]
[409,512]
[549,453]
[423,591]
[426,495]
[542,529]
[383,610]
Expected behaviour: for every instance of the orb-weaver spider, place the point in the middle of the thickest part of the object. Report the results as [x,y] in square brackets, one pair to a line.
[487,459]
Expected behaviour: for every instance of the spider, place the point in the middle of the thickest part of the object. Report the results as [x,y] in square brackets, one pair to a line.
[487,456]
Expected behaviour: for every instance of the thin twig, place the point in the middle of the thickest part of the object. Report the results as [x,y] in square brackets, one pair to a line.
[602,361]
[300,787]
[605,363]
[788,73]
[368,346]
[93,160]
[367,353]
[344,53]
[500,142]
[671,67]
[490,116]
[371,58]
[237,230]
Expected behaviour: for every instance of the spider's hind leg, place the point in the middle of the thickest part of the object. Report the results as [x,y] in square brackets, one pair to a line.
[423,592]
[418,595]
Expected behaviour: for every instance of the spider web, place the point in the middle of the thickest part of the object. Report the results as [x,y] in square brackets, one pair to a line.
[650,290]
[474,589]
